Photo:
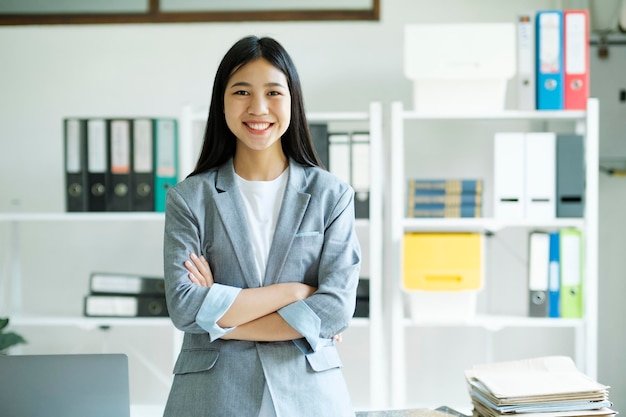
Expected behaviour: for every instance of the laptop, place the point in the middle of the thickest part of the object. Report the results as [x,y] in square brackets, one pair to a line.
[81,385]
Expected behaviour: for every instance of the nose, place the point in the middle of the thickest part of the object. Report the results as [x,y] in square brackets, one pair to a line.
[258,105]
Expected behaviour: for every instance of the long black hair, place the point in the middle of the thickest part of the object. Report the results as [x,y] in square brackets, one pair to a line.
[219,143]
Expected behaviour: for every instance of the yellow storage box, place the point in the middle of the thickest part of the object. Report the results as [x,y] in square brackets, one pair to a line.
[442,274]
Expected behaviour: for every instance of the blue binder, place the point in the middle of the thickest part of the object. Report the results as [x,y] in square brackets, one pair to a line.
[554,275]
[550,74]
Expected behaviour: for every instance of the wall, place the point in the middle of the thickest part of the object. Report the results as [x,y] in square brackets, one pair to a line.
[50,72]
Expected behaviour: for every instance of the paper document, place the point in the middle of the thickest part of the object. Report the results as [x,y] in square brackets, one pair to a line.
[548,386]
[545,376]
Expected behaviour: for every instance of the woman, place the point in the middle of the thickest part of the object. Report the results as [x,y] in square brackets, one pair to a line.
[261,256]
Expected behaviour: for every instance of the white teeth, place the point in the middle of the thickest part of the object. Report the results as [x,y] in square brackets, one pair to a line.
[259,126]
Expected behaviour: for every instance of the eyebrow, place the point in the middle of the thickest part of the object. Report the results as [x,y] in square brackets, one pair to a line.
[247,84]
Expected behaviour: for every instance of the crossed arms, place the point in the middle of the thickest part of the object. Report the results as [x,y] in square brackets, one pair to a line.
[253,314]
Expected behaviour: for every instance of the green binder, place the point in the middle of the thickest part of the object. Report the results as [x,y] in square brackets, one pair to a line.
[572,273]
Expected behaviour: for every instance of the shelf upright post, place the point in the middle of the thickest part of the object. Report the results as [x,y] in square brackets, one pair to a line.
[378,385]
[395,236]
[590,283]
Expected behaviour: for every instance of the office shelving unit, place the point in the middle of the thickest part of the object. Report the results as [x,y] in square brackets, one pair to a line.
[585,329]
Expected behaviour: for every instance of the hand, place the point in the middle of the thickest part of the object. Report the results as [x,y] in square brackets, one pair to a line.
[199,271]
[338,337]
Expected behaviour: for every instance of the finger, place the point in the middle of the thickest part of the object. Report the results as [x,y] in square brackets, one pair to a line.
[202,265]
[193,279]
[209,274]
[194,274]
[204,262]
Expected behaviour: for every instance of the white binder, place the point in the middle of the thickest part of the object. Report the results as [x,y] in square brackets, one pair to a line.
[526,79]
[538,268]
[508,175]
[540,194]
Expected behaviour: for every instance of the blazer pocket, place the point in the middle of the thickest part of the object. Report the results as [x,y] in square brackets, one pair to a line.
[195,360]
[324,359]
[308,234]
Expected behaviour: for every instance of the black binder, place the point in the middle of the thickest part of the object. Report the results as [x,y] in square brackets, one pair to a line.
[96,164]
[362,204]
[319,136]
[118,165]
[570,175]
[142,166]
[75,143]
[125,284]
[125,306]
[362,298]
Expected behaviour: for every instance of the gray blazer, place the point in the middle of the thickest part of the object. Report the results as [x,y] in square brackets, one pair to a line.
[314,242]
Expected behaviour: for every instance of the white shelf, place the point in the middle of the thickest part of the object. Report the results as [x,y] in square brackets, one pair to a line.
[482,225]
[82,216]
[503,115]
[338,117]
[584,329]
[90,322]
[496,323]
[360,322]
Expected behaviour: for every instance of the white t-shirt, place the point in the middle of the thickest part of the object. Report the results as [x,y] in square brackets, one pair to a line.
[262,201]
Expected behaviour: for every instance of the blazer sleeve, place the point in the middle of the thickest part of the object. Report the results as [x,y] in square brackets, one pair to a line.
[329,310]
[192,308]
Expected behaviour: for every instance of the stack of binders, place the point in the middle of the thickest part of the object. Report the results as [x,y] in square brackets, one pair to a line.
[542,387]
[538,175]
[119,164]
[553,60]
[556,274]
[445,198]
[347,155]
[125,295]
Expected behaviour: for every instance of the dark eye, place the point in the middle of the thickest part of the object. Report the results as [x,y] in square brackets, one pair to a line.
[274,93]
[241,93]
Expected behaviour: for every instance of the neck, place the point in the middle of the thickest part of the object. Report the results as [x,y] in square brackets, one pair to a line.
[259,167]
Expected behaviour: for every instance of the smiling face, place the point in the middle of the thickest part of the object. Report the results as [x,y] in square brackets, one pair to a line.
[257,106]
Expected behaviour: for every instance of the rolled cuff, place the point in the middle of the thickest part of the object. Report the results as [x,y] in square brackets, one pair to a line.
[300,316]
[216,303]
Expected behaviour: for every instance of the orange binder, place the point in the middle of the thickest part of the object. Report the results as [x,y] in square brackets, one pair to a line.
[576,59]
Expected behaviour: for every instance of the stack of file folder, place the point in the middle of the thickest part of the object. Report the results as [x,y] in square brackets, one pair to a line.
[548,386]
[444,197]
[125,295]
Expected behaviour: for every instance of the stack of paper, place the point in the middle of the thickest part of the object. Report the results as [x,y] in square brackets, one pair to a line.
[541,387]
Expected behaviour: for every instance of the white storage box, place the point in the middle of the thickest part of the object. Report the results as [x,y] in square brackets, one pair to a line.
[441,306]
[442,275]
[462,67]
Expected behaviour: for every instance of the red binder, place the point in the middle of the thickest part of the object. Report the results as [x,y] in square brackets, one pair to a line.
[576,59]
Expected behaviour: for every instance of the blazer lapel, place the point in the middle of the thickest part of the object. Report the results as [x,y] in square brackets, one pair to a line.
[291,213]
[231,209]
